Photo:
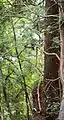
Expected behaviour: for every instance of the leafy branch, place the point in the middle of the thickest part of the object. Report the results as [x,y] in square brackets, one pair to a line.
[20,66]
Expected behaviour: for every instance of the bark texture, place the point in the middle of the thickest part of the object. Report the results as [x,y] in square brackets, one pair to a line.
[61,28]
[50,92]
[51,63]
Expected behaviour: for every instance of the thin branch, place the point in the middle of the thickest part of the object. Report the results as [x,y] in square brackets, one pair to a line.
[52,80]
[9,3]
[51,6]
[25,87]
[10,61]
[48,87]
[38,93]
[8,76]
[6,101]
[47,16]
[55,1]
[22,50]
[60,89]
[52,54]
[5,95]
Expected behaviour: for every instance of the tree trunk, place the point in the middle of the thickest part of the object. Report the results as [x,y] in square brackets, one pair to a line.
[52,83]
[51,64]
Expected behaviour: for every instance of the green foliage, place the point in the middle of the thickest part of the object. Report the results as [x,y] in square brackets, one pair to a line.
[56,42]
[27,32]
[21,59]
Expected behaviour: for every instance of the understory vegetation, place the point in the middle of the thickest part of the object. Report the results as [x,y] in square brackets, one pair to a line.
[30,36]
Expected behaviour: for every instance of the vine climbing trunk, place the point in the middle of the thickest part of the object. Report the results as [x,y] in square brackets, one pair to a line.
[51,63]
[61,29]
[38,102]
